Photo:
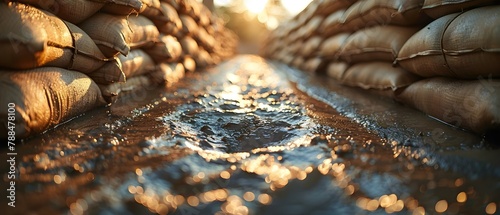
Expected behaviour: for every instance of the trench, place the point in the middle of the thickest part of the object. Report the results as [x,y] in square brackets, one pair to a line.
[251,136]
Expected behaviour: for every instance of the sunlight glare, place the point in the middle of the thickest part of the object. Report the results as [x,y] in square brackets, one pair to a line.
[222,3]
[255,6]
[295,6]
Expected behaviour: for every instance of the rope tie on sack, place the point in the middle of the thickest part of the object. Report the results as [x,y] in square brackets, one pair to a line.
[441,43]
[76,48]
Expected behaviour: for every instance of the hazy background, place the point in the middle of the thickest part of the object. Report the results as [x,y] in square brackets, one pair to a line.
[253,19]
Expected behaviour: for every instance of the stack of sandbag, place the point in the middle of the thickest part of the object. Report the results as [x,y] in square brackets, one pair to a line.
[44,67]
[158,42]
[459,55]
[390,46]
[61,58]
[354,42]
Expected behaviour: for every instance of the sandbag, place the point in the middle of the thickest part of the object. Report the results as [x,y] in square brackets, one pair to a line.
[203,59]
[189,46]
[168,49]
[378,43]
[332,24]
[191,8]
[124,7]
[469,104]
[297,61]
[110,72]
[205,15]
[471,43]
[462,46]
[305,15]
[310,46]
[336,69]
[45,97]
[168,73]
[205,39]
[422,53]
[309,29]
[189,64]
[327,7]
[151,8]
[378,75]
[169,22]
[439,8]
[366,13]
[136,63]
[189,26]
[312,65]
[74,11]
[175,4]
[111,92]
[330,47]
[32,38]
[118,34]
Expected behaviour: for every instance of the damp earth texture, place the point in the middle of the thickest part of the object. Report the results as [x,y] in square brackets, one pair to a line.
[256,137]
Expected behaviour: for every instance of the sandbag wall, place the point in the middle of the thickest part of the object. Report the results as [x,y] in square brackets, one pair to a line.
[61,58]
[439,56]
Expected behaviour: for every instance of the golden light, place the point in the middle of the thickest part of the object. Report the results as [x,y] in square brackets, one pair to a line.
[295,6]
[255,6]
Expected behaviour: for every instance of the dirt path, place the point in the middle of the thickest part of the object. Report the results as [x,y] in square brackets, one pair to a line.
[255,137]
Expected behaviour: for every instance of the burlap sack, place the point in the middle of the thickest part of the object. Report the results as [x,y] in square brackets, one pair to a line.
[124,7]
[461,46]
[336,70]
[312,65]
[110,72]
[136,63]
[309,29]
[191,8]
[205,39]
[118,34]
[189,26]
[332,24]
[205,15]
[189,64]
[33,38]
[327,7]
[378,43]
[74,11]
[297,61]
[294,47]
[151,8]
[471,43]
[330,47]
[305,15]
[473,105]
[189,46]
[366,13]
[439,8]
[422,53]
[169,23]
[288,58]
[111,92]
[204,59]
[378,76]
[45,97]
[310,46]
[174,3]
[168,73]
[168,49]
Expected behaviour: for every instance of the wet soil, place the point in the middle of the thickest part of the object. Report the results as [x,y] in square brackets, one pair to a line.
[255,137]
